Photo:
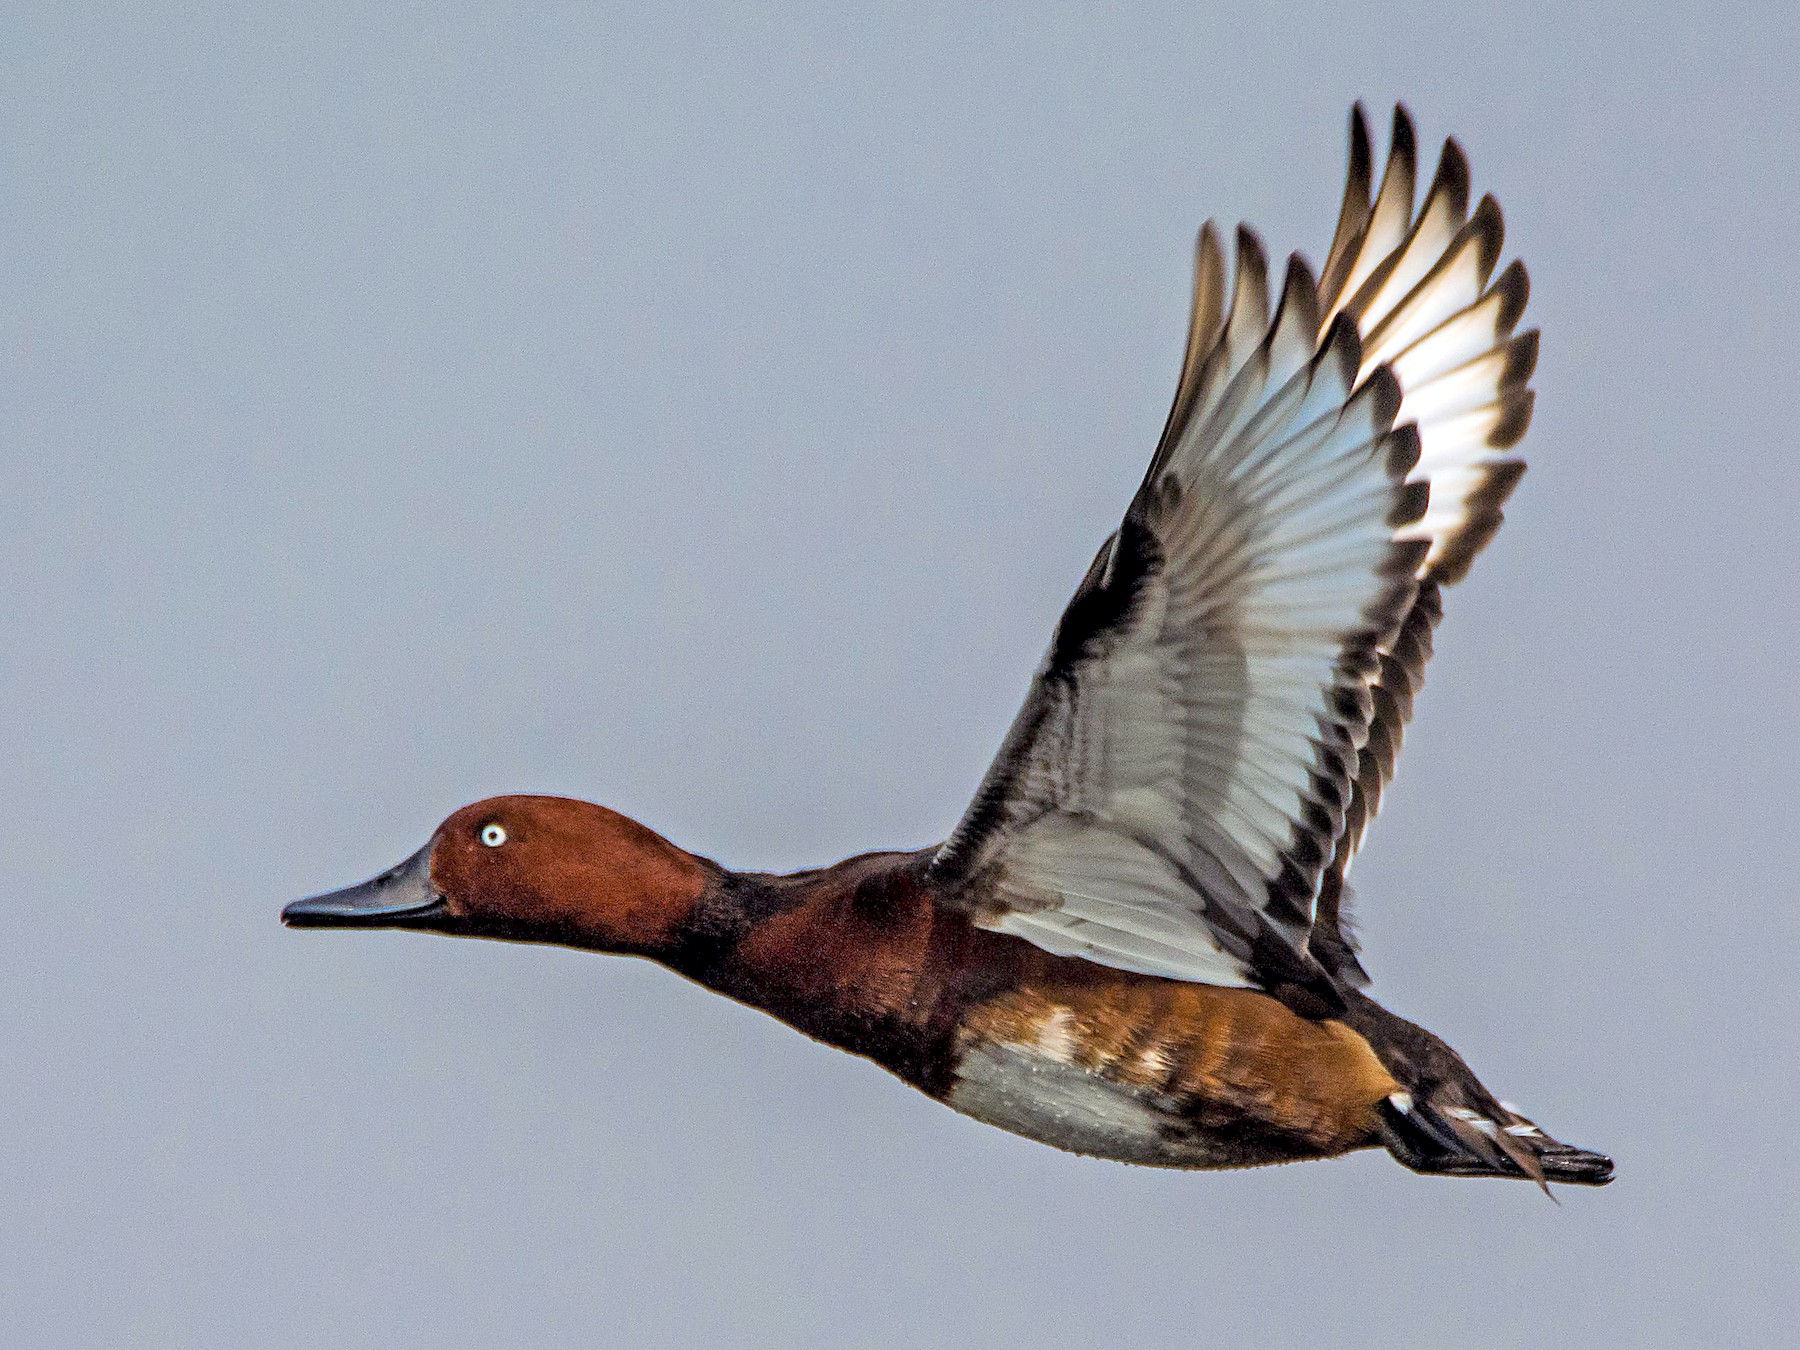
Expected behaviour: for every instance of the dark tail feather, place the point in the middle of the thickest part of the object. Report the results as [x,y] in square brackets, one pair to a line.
[1460,1142]
[1446,1123]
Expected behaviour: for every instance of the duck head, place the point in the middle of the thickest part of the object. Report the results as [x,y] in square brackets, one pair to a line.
[528,869]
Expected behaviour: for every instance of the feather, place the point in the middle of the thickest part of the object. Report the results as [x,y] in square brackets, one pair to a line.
[1225,698]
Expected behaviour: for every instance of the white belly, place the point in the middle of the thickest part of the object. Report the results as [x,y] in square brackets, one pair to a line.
[1032,1090]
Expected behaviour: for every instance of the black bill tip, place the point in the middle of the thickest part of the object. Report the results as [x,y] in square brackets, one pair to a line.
[401,897]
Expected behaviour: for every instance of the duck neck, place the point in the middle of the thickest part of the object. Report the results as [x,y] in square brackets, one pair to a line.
[840,952]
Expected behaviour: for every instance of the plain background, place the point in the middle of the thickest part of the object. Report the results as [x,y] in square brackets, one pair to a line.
[707,411]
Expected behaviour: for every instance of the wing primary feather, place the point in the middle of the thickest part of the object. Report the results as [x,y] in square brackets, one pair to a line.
[1431,239]
[1403,160]
[1521,359]
[1342,347]
[1514,285]
[1297,315]
[1484,518]
[1250,294]
[1452,178]
[1205,320]
[1515,418]
[1403,453]
[1490,225]
[1391,216]
[1353,215]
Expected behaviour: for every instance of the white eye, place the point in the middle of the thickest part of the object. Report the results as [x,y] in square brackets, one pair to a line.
[493,835]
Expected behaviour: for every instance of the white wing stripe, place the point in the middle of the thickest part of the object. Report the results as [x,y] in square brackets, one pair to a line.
[1462,389]
[1454,285]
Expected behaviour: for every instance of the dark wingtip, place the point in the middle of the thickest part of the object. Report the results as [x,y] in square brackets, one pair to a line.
[1299,295]
[1489,224]
[1344,343]
[1403,449]
[1452,178]
[1405,138]
[1521,359]
[1516,405]
[1514,285]
[1299,275]
[1250,249]
[1384,389]
[1362,154]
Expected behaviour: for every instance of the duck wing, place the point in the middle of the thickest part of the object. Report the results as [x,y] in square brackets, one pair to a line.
[1221,703]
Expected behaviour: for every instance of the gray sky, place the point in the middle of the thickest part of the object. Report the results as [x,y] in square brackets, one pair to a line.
[709,414]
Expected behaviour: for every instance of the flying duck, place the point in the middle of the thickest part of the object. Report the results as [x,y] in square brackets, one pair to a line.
[1133,943]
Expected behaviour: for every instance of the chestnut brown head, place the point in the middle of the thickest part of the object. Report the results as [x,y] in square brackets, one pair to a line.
[530,869]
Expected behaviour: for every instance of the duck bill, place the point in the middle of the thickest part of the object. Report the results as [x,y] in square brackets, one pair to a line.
[401,897]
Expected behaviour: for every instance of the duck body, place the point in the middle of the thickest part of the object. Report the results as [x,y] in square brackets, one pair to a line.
[872,957]
[1132,944]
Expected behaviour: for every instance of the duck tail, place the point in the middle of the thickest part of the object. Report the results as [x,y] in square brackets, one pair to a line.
[1443,1122]
[1441,1139]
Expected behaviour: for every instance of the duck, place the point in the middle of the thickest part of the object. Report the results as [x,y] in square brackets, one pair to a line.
[1134,943]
